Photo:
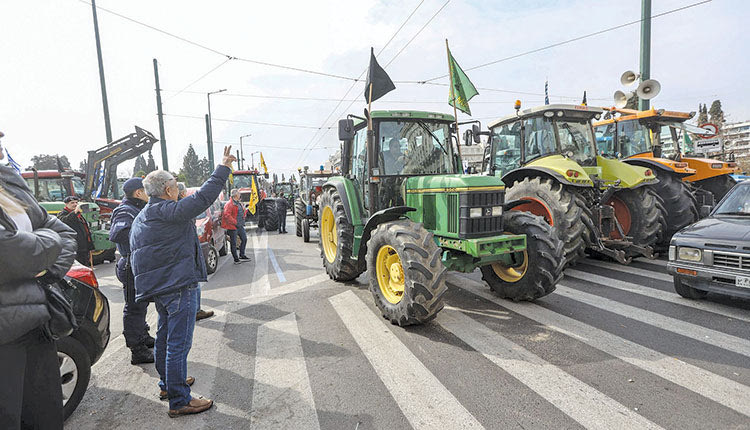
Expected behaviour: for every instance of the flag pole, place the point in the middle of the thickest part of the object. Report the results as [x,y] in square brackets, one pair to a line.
[371,153]
[453,99]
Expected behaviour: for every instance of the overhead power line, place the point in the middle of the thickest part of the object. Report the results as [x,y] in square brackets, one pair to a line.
[273,147]
[195,81]
[575,39]
[272,124]
[418,32]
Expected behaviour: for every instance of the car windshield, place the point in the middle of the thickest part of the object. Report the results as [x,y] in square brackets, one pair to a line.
[737,202]
[243,181]
[418,147]
[576,141]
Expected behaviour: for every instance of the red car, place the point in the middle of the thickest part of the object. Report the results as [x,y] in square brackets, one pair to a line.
[210,233]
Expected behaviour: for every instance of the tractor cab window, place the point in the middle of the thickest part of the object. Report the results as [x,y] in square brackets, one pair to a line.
[605,140]
[242,181]
[576,141]
[78,186]
[416,147]
[633,138]
[506,142]
[539,138]
[50,190]
[359,163]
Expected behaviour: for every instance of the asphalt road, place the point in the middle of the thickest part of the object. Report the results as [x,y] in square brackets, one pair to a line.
[612,348]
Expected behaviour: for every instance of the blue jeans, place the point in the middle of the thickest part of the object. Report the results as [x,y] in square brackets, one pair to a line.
[233,235]
[174,337]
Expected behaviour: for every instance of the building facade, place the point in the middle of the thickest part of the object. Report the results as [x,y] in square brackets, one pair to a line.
[737,141]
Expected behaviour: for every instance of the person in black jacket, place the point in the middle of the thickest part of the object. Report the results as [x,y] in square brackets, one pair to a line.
[34,247]
[281,206]
[72,216]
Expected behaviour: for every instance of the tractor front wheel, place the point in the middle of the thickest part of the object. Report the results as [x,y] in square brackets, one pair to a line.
[336,238]
[542,265]
[299,212]
[306,230]
[407,277]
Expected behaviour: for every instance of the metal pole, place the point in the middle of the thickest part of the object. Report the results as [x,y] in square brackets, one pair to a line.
[105,105]
[160,114]
[209,144]
[242,152]
[645,47]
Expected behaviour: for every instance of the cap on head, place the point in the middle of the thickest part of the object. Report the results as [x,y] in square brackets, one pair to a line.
[131,185]
[69,199]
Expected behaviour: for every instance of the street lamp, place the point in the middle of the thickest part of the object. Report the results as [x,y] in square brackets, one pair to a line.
[252,160]
[210,128]
[242,154]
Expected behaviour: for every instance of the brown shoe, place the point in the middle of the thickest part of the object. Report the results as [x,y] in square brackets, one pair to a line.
[195,406]
[201,314]
[163,394]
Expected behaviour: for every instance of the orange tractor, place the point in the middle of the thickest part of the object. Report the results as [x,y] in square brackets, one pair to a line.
[660,140]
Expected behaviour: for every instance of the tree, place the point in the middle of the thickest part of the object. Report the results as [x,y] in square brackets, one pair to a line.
[716,114]
[83,165]
[151,165]
[206,170]
[632,102]
[49,162]
[140,164]
[702,114]
[191,168]
[282,178]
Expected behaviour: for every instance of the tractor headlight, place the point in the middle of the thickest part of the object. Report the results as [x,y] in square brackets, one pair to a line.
[689,254]
[497,210]
[475,212]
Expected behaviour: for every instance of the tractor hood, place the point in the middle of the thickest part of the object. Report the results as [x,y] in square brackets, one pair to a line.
[630,176]
[564,169]
[679,167]
[452,183]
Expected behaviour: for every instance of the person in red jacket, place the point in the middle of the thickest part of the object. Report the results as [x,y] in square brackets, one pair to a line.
[233,220]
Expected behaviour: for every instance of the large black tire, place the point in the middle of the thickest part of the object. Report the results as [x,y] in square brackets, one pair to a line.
[687,291]
[75,372]
[719,186]
[680,205]
[541,270]
[306,230]
[646,215]
[418,266]
[106,255]
[299,213]
[565,206]
[271,218]
[341,267]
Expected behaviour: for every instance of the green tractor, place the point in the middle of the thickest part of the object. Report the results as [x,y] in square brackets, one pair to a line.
[306,204]
[547,155]
[402,211]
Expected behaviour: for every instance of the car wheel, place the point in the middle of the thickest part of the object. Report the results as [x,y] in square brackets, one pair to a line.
[75,371]
[212,260]
[688,292]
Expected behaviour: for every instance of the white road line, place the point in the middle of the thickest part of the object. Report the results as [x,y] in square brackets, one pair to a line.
[666,296]
[423,399]
[281,390]
[260,284]
[630,270]
[588,406]
[693,331]
[715,387]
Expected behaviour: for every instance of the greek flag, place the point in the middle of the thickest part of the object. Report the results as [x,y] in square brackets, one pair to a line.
[546,92]
[12,163]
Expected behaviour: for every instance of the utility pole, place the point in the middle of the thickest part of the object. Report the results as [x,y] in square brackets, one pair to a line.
[210,144]
[160,114]
[645,48]
[107,127]
[242,152]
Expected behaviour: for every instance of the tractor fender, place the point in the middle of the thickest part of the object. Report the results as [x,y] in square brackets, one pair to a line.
[653,164]
[523,172]
[379,217]
[341,188]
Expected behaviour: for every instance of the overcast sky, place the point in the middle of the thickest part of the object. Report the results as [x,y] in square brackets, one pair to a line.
[51,100]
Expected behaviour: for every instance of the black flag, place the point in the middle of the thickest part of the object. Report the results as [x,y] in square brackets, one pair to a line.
[381,82]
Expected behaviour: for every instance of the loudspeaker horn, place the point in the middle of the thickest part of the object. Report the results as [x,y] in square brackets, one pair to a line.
[629,77]
[648,89]
[621,98]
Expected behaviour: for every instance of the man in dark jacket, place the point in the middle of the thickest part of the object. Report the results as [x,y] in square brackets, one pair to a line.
[33,246]
[134,326]
[281,206]
[72,216]
[168,265]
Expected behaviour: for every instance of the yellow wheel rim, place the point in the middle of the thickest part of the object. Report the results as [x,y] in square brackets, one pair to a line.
[328,236]
[390,274]
[512,274]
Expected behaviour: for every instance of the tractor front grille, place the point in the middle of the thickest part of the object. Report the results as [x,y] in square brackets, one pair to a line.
[452,213]
[485,225]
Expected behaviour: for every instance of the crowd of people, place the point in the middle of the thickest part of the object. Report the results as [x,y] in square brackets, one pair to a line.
[161,262]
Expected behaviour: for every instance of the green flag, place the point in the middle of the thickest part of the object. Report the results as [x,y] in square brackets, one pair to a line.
[462,90]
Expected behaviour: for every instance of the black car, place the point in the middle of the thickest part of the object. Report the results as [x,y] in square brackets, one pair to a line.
[713,255]
[79,351]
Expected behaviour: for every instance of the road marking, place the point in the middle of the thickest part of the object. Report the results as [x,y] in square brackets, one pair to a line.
[710,385]
[279,273]
[423,399]
[588,406]
[690,330]
[281,390]
[260,284]
[630,270]
[716,308]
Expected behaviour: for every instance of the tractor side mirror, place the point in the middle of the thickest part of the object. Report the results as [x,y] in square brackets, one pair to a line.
[346,129]
[468,137]
[657,151]
[705,211]
[476,132]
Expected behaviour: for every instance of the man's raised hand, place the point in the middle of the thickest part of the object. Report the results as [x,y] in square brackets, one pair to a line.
[228,158]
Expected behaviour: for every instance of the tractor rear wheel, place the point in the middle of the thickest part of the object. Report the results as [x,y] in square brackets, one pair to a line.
[719,186]
[542,265]
[680,205]
[640,214]
[407,277]
[559,205]
[299,212]
[271,218]
[336,238]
